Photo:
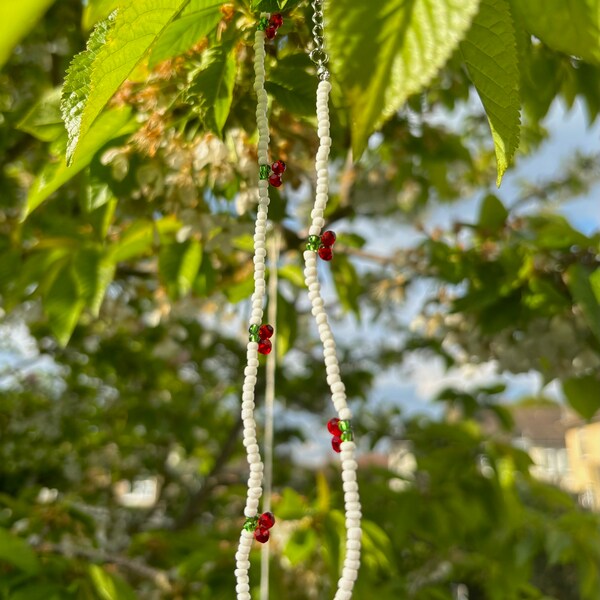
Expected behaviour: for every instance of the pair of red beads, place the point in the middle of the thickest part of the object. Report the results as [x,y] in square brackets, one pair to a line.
[275,22]
[326,248]
[262,335]
[278,168]
[260,525]
[341,432]
[322,245]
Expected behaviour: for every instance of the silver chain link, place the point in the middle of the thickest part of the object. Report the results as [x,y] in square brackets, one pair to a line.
[318,54]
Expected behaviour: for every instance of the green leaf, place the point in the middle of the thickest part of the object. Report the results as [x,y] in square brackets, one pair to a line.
[112,54]
[94,274]
[347,283]
[17,552]
[97,10]
[17,19]
[110,125]
[292,86]
[583,394]
[555,232]
[198,20]
[273,5]
[383,51]
[490,53]
[595,283]
[301,546]
[293,273]
[110,586]
[286,326]
[77,87]
[43,121]
[580,286]
[571,27]
[63,304]
[179,265]
[211,86]
[493,214]
[136,241]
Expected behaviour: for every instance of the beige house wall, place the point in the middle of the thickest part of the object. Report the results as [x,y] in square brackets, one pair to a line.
[583,448]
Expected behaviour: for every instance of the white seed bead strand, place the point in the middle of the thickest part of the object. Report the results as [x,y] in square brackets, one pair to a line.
[255,463]
[338,391]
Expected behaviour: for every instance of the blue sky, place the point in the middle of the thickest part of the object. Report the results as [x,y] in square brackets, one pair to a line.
[412,387]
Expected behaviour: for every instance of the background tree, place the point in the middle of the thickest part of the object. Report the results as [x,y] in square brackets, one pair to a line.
[125,249]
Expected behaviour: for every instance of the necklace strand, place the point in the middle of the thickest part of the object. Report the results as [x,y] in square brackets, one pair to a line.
[347,447]
[255,463]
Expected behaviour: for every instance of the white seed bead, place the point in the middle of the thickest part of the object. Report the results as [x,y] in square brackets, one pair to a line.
[353,554]
[345,414]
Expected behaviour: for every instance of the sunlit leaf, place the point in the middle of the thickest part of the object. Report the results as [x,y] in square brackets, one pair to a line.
[110,586]
[16,20]
[490,53]
[383,51]
[569,27]
[112,54]
[211,86]
[110,125]
[198,20]
[135,242]
[179,265]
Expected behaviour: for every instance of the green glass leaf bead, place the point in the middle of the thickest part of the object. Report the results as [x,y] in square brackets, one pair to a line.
[264,171]
[345,426]
[313,243]
[253,331]
[263,23]
[251,523]
[347,436]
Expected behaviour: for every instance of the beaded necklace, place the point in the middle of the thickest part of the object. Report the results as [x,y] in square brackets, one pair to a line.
[257,525]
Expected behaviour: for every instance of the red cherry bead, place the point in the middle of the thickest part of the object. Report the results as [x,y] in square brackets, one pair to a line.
[264,346]
[266,520]
[328,238]
[265,332]
[261,535]
[325,252]
[336,444]
[278,167]
[275,180]
[276,21]
[332,427]
[270,32]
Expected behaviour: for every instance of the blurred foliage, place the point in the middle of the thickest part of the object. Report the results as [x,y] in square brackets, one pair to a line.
[124,275]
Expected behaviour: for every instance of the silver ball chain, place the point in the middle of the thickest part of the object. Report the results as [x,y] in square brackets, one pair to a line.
[318,54]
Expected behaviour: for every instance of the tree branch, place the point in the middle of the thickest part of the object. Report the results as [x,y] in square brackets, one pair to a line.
[196,500]
[157,576]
